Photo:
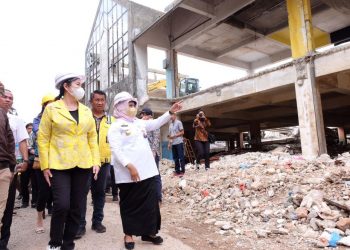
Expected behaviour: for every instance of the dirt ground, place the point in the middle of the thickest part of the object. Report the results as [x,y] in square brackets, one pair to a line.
[24,237]
[180,231]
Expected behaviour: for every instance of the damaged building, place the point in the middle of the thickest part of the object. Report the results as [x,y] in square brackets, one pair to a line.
[309,89]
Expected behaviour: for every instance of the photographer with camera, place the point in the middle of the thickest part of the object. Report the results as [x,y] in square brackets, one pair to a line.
[201,140]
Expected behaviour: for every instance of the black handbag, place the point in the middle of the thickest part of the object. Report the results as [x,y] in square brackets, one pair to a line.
[211,138]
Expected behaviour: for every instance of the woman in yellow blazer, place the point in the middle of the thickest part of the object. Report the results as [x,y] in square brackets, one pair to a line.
[68,149]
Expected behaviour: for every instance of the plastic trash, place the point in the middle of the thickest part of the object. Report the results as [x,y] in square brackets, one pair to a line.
[205,193]
[345,241]
[244,166]
[335,237]
[242,186]
[182,184]
[293,216]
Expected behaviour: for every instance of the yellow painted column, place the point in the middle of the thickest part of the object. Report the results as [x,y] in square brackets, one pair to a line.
[300,27]
[310,116]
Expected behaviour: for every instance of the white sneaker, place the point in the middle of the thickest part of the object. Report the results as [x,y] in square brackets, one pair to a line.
[53,248]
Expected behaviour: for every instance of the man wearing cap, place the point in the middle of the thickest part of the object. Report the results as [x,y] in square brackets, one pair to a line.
[20,136]
[103,122]
[7,157]
[154,142]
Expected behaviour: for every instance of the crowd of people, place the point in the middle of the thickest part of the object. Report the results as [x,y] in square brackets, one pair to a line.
[70,149]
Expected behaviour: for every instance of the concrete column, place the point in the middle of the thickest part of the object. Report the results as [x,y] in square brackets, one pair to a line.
[141,72]
[231,143]
[241,137]
[237,140]
[255,135]
[171,74]
[312,133]
[342,136]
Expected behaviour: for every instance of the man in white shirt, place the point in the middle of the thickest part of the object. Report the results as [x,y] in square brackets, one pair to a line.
[20,135]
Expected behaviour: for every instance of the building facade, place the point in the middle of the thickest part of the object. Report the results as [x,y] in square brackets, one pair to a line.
[109,58]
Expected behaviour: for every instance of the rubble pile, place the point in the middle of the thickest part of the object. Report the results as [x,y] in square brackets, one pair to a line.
[268,194]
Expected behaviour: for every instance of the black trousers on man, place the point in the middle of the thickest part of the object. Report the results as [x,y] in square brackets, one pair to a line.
[8,213]
[68,190]
[26,177]
[44,192]
[203,151]
[112,182]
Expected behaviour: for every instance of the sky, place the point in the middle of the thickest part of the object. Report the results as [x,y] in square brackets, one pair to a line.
[41,38]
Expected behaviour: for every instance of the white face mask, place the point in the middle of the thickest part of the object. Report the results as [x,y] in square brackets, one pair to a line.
[78,93]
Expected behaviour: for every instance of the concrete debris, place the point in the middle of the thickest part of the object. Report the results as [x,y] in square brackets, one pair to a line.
[271,194]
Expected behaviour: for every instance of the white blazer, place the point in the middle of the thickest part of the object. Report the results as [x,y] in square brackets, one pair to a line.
[129,144]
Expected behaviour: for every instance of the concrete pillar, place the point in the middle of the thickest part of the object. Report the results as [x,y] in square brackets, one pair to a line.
[237,140]
[231,143]
[141,72]
[255,135]
[342,136]
[171,74]
[241,138]
[312,134]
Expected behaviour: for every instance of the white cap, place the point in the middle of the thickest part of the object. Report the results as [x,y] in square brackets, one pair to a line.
[62,77]
[123,96]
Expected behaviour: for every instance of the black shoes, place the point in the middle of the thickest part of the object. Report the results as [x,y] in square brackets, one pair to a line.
[99,228]
[129,245]
[156,240]
[81,232]
[115,198]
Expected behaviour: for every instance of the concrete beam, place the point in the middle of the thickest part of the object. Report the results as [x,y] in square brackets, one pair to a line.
[157,105]
[221,12]
[267,81]
[212,57]
[343,80]
[240,89]
[199,7]
[226,51]
[279,56]
[337,58]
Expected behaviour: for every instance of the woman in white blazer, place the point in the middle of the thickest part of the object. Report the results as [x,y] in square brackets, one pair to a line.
[135,169]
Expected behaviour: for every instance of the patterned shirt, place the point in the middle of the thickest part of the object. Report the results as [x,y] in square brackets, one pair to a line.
[154,141]
[201,134]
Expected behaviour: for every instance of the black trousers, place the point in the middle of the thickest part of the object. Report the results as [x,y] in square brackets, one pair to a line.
[203,151]
[98,195]
[114,186]
[26,177]
[7,217]
[68,190]
[44,192]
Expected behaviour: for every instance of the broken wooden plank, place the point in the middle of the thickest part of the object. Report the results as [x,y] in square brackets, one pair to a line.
[338,205]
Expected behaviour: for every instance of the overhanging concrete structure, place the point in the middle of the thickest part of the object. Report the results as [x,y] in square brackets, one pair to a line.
[312,91]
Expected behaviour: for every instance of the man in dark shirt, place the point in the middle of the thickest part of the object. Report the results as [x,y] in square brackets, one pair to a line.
[7,156]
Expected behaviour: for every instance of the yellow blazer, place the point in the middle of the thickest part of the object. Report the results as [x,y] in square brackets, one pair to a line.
[64,144]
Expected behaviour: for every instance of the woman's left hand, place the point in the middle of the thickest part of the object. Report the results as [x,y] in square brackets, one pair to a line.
[176,107]
[95,170]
